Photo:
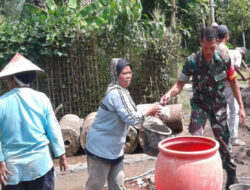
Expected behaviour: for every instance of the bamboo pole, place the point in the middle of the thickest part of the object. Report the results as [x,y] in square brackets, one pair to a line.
[52,80]
[60,81]
[69,89]
[96,68]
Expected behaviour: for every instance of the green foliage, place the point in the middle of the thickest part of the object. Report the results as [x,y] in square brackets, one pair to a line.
[54,31]
[188,18]
[236,16]
[66,31]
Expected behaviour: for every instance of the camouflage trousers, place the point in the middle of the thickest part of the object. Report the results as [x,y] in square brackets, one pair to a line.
[220,130]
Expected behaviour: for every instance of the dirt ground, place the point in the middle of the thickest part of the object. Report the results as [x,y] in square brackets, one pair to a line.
[138,164]
[135,165]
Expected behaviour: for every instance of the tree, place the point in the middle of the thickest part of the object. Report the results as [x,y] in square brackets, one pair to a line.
[236,16]
[13,8]
[173,18]
[212,11]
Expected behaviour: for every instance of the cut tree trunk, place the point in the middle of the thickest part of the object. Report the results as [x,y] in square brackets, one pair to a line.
[87,124]
[70,126]
[131,140]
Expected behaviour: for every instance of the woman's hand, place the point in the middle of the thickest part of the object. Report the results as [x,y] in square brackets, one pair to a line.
[154,110]
[3,173]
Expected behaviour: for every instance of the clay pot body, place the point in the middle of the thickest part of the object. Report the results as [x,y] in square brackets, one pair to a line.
[190,163]
[171,115]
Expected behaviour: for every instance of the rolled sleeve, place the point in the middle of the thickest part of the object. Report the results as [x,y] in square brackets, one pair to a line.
[183,78]
[187,70]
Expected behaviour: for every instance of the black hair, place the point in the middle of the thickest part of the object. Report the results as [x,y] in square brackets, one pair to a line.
[26,77]
[221,35]
[209,33]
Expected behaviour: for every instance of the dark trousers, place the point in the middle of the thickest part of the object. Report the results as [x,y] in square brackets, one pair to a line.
[220,130]
[45,182]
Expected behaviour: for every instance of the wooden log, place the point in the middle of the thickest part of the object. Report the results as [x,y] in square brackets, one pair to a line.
[132,136]
[131,140]
[87,124]
[151,133]
[81,125]
[70,126]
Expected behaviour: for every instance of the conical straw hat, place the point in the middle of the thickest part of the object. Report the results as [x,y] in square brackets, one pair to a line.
[19,64]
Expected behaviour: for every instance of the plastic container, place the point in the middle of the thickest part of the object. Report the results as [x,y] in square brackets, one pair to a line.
[240,186]
[190,163]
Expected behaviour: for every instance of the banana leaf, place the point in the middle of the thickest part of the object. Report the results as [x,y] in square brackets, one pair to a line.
[51,5]
[30,10]
[72,4]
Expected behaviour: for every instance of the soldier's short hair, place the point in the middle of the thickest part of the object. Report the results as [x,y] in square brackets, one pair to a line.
[209,33]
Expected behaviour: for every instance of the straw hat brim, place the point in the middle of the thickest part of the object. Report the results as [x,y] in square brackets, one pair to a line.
[4,75]
[19,64]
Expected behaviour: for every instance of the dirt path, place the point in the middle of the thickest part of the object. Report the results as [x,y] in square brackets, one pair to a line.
[137,164]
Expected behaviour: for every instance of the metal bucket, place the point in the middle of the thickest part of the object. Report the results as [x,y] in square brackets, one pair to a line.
[153,135]
[240,186]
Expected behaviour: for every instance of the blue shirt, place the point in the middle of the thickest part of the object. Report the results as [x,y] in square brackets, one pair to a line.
[27,126]
[108,133]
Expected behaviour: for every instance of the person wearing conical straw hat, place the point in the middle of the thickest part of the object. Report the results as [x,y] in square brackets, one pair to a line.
[28,126]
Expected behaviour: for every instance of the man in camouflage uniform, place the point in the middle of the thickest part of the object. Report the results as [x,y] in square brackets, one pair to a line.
[210,70]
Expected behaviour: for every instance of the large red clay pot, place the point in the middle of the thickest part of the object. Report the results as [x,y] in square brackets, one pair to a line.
[188,163]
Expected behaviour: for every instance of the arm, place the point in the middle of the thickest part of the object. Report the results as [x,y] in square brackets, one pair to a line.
[236,92]
[239,72]
[120,101]
[54,134]
[175,90]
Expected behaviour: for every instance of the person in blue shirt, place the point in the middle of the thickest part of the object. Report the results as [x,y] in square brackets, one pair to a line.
[106,138]
[27,127]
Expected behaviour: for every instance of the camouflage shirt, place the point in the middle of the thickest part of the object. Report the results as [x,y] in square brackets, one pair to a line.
[208,79]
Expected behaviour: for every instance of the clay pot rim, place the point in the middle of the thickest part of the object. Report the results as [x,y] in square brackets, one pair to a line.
[210,151]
